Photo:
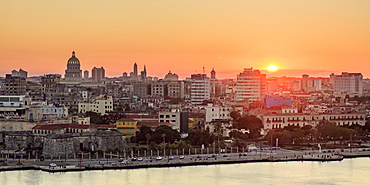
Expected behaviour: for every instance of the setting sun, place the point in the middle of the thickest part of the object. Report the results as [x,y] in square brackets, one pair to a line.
[272,68]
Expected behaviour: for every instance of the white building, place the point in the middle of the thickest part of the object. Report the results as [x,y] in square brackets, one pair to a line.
[250,85]
[101,105]
[287,118]
[41,111]
[172,117]
[200,88]
[214,112]
[348,83]
[13,106]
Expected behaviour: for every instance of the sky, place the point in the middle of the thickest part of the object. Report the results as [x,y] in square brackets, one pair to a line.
[316,37]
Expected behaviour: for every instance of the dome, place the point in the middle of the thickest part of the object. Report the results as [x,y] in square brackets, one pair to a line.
[73,59]
[171,77]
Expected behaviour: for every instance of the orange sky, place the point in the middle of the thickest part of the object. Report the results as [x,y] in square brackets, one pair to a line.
[186,35]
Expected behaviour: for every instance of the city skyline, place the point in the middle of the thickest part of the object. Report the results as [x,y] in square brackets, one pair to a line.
[312,37]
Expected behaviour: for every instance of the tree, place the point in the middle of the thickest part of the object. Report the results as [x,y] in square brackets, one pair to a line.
[235,115]
[238,135]
[141,135]
[251,123]
[171,135]
[329,131]
[199,137]
[94,117]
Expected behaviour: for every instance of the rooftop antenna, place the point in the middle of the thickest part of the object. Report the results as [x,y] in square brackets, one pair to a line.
[204,70]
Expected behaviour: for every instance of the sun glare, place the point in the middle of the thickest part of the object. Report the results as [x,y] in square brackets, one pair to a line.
[272,68]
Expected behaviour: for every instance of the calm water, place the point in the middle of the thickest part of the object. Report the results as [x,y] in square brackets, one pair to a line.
[348,171]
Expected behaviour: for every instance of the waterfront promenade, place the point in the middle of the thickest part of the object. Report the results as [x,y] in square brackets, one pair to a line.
[176,161]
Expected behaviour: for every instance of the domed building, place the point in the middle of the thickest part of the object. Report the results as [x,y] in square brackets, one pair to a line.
[73,72]
[171,77]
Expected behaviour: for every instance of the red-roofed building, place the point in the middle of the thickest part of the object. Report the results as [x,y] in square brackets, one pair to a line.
[153,125]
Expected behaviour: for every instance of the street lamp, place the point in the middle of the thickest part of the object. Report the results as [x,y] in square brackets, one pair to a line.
[164,144]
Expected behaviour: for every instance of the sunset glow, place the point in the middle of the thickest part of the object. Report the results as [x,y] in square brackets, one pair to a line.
[185,36]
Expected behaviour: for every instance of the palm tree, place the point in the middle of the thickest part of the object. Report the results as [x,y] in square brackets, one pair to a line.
[147,136]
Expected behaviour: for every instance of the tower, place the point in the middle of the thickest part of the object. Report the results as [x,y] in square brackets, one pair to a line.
[213,73]
[135,70]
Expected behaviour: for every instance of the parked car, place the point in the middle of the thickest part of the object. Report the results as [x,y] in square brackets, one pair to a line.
[171,158]
[140,159]
[159,158]
[182,157]
[53,165]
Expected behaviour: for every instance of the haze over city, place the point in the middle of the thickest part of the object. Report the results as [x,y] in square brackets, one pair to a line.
[313,37]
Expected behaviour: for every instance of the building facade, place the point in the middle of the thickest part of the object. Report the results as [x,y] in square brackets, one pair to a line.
[200,88]
[98,74]
[250,85]
[14,85]
[349,83]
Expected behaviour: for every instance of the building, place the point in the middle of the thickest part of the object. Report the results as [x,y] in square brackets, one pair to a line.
[86,75]
[170,89]
[20,73]
[200,89]
[271,101]
[348,83]
[292,117]
[158,89]
[73,72]
[171,77]
[179,120]
[100,105]
[142,89]
[49,85]
[214,112]
[14,85]
[98,74]
[13,106]
[250,85]
[127,126]
[44,112]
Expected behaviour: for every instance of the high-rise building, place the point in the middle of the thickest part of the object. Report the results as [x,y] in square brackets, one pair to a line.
[305,82]
[20,73]
[199,88]
[49,85]
[250,85]
[143,74]
[86,74]
[98,74]
[135,71]
[14,85]
[73,72]
[349,83]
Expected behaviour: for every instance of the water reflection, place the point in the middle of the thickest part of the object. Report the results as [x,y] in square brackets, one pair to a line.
[349,171]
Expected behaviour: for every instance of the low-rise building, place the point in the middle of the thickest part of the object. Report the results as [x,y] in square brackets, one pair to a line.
[214,112]
[127,126]
[281,120]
